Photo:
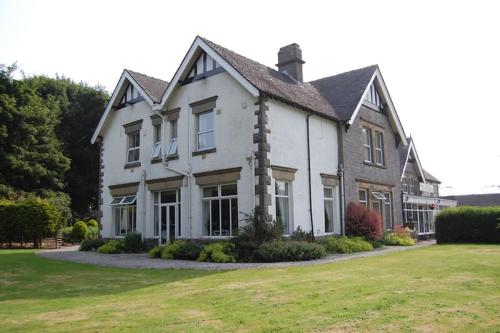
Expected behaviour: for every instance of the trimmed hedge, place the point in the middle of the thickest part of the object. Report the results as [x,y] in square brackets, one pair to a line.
[79,231]
[343,244]
[468,225]
[392,238]
[280,250]
[28,220]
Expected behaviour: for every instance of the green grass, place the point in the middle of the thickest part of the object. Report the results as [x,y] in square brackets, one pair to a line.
[453,288]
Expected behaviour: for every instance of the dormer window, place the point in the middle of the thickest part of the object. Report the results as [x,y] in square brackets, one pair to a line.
[204,67]
[373,97]
[131,96]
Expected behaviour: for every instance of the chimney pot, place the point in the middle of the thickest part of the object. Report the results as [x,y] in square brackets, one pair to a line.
[290,61]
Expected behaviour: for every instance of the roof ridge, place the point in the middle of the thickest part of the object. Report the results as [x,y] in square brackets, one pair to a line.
[343,73]
[149,76]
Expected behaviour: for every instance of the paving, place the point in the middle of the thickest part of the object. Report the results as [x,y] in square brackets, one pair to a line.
[141,260]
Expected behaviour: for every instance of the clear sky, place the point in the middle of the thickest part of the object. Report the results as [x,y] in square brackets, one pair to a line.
[439,59]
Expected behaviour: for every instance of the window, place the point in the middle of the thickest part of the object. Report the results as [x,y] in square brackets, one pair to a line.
[282,196]
[379,148]
[163,201]
[133,147]
[205,130]
[377,202]
[363,197]
[204,67]
[329,207]
[156,152]
[373,97]
[124,214]
[405,185]
[388,210]
[367,144]
[131,96]
[172,146]
[220,210]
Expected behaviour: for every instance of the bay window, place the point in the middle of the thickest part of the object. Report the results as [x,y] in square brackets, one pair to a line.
[220,210]
[124,214]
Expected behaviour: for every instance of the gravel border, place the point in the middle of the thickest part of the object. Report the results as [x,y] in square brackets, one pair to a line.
[141,260]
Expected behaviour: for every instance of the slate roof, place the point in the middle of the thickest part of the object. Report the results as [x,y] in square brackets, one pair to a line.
[431,178]
[403,153]
[152,86]
[344,91]
[277,84]
[484,200]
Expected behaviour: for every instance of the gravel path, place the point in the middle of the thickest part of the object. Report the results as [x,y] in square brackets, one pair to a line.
[141,260]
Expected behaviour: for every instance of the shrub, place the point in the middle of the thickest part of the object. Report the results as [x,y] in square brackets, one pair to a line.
[280,250]
[91,244]
[401,231]
[92,223]
[92,233]
[343,244]
[66,234]
[468,224]
[392,238]
[217,252]
[133,243]
[155,252]
[30,219]
[80,231]
[301,235]
[363,222]
[255,232]
[111,246]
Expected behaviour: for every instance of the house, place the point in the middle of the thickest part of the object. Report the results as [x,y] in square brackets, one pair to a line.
[421,201]
[229,136]
[482,200]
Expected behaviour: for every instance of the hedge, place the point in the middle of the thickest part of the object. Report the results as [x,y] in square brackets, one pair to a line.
[28,220]
[468,225]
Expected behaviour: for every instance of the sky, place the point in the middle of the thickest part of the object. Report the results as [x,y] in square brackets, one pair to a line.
[439,59]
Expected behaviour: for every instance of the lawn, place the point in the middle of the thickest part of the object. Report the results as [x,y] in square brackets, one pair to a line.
[453,288]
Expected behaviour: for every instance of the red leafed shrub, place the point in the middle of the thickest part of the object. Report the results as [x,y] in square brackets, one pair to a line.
[362,221]
[401,231]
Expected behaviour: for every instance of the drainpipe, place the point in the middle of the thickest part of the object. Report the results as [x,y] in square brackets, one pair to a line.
[342,199]
[143,184]
[310,177]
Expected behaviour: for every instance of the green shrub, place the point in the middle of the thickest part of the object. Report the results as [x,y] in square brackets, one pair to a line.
[66,234]
[343,244]
[255,232]
[111,246]
[80,231]
[30,219]
[468,225]
[217,252]
[92,223]
[155,252]
[91,244]
[133,243]
[289,251]
[93,232]
[391,238]
[301,235]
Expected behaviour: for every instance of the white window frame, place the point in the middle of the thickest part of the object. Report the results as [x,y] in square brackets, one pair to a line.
[134,148]
[198,132]
[379,149]
[331,199]
[373,97]
[219,198]
[172,146]
[388,202]
[156,152]
[367,146]
[363,202]
[157,204]
[288,197]
[121,206]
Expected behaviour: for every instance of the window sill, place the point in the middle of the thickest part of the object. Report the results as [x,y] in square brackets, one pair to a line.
[374,165]
[202,152]
[172,157]
[132,165]
[156,160]
[372,106]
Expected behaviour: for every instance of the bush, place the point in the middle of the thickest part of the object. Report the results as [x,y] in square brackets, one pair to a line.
[343,244]
[133,243]
[111,246]
[92,223]
[363,222]
[155,252]
[28,220]
[255,232]
[392,238]
[91,244]
[289,251]
[301,235]
[217,252]
[93,233]
[468,225]
[401,231]
[80,231]
[66,234]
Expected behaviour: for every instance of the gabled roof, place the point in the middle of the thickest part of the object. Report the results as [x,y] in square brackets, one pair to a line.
[431,178]
[344,91]
[153,87]
[149,87]
[405,151]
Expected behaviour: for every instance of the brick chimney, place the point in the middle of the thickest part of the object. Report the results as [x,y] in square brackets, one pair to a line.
[290,61]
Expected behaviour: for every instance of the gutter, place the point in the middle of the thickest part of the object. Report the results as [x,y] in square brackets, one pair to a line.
[310,177]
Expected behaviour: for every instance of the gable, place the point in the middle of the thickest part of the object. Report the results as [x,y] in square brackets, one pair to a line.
[372,96]
[412,158]
[204,66]
[130,95]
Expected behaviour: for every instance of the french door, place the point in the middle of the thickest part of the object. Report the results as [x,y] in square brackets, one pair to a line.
[169,222]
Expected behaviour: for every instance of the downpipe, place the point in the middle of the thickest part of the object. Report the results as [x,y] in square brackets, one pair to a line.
[310,176]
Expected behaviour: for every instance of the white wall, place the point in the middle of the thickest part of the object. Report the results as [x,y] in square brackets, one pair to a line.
[288,140]
[233,122]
